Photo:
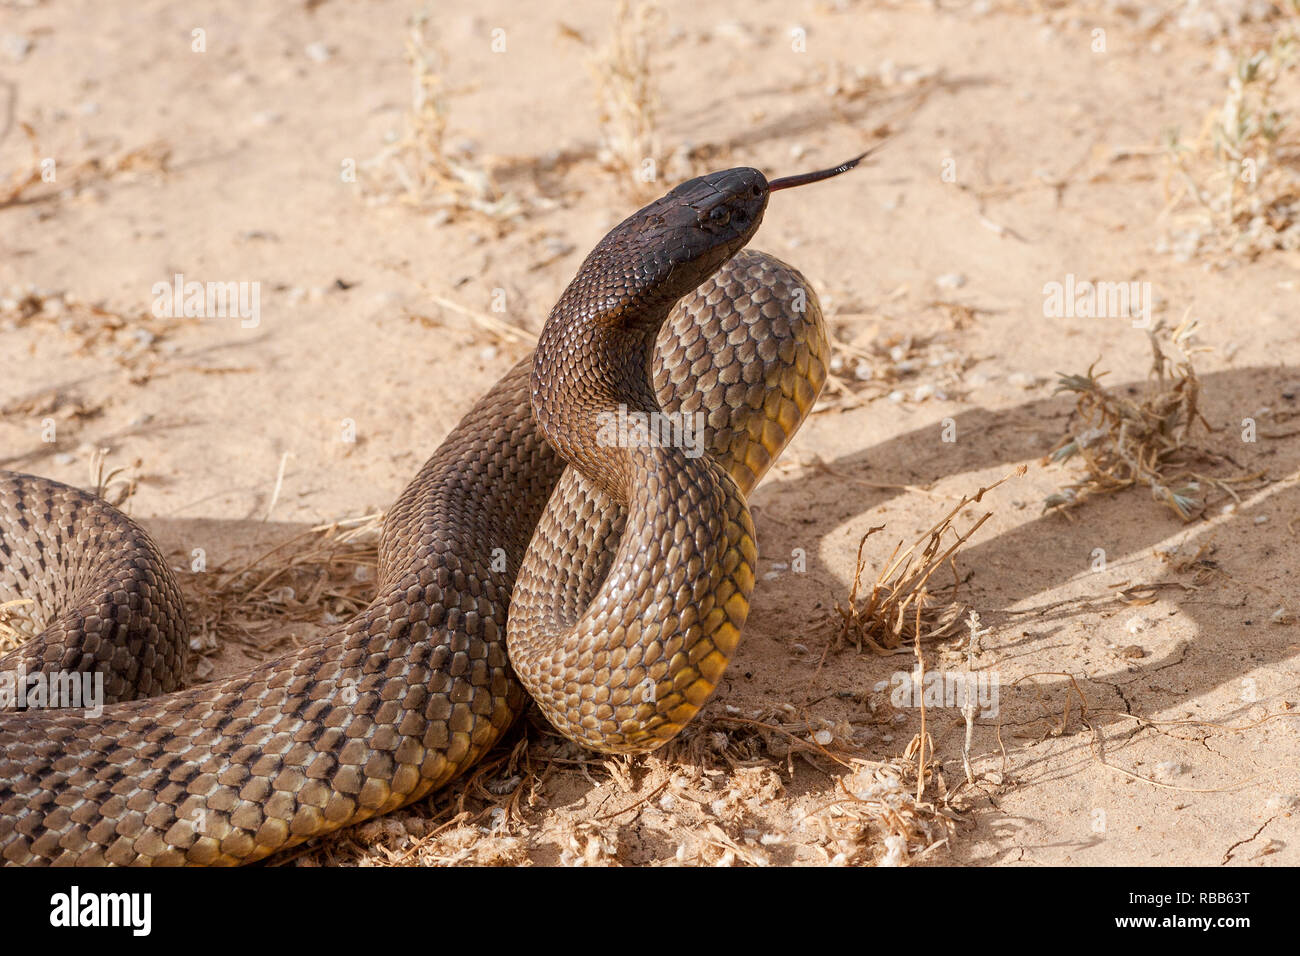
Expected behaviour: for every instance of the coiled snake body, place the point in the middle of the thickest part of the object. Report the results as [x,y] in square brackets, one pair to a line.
[626,584]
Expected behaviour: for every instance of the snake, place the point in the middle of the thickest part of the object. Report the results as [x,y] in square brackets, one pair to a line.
[581,539]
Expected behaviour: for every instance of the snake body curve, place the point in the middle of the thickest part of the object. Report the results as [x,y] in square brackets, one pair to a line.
[628,570]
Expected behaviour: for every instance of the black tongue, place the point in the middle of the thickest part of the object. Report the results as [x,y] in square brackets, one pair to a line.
[804,179]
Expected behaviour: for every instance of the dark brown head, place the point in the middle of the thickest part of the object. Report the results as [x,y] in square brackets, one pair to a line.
[699,225]
[665,250]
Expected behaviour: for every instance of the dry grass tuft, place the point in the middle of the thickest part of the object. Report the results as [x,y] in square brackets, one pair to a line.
[876,818]
[628,100]
[129,339]
[24,180]
[876,812]
[25,185]
[323,576]
[497,329]
[898,607]
[472,846]
[432,177]
[116,485]
[1237,186]
[1123,442]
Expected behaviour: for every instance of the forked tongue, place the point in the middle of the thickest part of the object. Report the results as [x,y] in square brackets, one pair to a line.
[803,179]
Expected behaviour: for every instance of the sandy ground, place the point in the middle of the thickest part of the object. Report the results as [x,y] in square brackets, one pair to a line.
[1019,155]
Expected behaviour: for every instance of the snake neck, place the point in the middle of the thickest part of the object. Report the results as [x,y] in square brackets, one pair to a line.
[592,366]
[592,399]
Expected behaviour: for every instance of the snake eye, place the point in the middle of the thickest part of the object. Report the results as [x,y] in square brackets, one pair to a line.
[720,215]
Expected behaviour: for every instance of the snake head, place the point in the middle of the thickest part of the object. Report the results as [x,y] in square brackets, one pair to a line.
[668,248]
[719,210]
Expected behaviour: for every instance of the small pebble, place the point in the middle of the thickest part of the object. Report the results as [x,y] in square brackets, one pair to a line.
[16,46]
[1023,380]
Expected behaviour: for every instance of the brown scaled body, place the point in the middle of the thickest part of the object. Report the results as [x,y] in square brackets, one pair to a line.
[634,565]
